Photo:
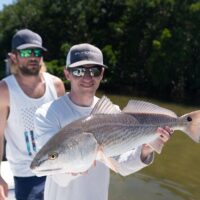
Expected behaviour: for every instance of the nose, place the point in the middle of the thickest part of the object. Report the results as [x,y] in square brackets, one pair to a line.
[87,75]
[32,55]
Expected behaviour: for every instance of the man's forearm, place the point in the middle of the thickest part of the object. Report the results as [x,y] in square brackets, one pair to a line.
[1,150]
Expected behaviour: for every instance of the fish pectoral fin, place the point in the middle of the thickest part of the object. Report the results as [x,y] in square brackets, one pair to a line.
[85,147]
[108,161]
[156,145]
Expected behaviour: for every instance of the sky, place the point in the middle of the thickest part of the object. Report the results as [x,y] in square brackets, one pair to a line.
[5,2]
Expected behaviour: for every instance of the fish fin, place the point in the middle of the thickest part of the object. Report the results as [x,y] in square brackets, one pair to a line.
[156,145]
[109,162]
[136,106]
[86,147]
[105,106]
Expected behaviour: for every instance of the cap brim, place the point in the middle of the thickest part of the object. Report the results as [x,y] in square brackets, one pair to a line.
[25,46]
[85,62]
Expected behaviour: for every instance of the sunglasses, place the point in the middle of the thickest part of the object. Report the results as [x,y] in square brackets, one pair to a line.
[26,53]
[93,71]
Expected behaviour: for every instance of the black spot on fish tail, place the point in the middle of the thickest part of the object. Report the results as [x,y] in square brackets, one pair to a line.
[189,119]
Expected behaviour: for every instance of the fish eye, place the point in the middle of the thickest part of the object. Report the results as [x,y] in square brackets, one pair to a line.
[189,119]
[53,156]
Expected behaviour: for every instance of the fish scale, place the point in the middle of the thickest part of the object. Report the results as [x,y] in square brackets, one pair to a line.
[121,131]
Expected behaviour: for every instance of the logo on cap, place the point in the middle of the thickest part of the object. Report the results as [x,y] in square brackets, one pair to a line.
[83,54]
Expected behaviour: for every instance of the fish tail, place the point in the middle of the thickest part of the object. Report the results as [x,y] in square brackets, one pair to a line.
[191,125]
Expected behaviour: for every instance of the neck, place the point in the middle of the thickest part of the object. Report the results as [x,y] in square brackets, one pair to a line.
[81,100]
[29,80]
[32,86]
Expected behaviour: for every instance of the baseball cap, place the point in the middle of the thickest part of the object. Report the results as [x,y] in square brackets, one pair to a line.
[26,38]
[84,54]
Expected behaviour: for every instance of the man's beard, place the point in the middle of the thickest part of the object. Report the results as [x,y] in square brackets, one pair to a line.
[30,71]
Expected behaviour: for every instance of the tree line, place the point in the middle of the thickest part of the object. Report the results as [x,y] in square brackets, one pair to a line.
[152,47]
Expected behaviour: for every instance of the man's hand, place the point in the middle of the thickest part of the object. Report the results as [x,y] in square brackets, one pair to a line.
[3,189]
[157,145]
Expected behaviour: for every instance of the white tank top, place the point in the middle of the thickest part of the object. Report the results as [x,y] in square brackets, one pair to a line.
[19,132]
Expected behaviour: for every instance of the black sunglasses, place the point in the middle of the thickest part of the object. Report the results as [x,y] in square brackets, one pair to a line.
[93,71]
[26,53]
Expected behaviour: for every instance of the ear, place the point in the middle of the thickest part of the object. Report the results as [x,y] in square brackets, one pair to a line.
[103,70]
[67,74]
[13,57]
[102,73]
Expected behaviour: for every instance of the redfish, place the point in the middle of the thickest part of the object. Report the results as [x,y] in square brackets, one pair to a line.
[109,132]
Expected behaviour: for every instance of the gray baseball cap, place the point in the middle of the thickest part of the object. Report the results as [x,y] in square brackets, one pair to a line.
[26,38]
[84,54]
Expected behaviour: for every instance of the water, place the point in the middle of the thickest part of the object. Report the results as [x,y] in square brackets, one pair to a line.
[143,187]
[174,175]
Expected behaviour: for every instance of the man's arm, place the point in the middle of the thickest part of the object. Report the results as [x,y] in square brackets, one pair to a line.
[4,110]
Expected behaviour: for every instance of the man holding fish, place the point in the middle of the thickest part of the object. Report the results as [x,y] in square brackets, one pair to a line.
[85,178]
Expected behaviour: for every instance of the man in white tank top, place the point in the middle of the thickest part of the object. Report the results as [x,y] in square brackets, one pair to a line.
[20,95]
[84,69]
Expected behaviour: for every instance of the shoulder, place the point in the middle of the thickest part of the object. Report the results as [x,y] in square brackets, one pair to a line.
[58,83]
[50,113]
[50,107]
[3,86]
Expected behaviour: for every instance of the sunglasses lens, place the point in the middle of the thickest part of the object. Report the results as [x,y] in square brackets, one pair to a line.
[78,72]
[26,53]
[94,71]
[38,52]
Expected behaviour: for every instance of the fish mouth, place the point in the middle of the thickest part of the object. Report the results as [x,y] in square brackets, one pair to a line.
[36,163]
[45,172]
